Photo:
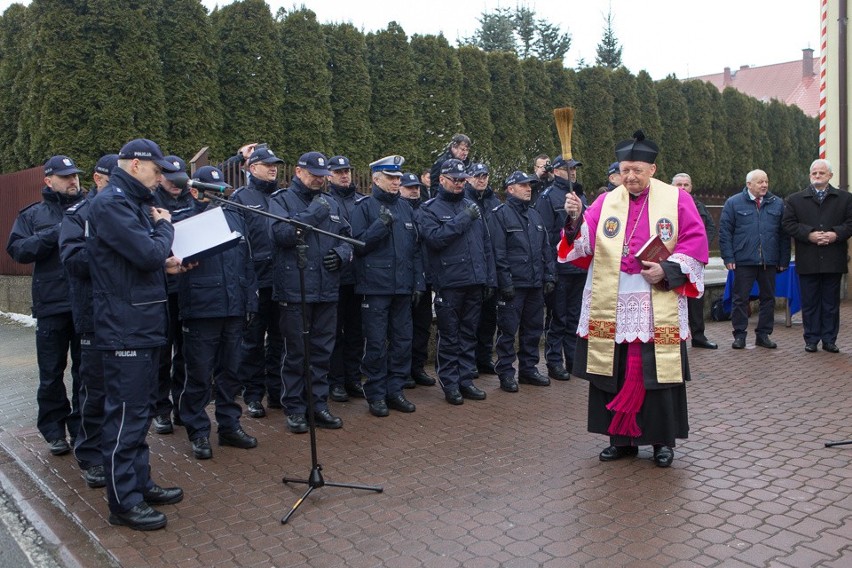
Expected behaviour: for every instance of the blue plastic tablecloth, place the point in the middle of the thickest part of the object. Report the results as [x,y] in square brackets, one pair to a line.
[786,286]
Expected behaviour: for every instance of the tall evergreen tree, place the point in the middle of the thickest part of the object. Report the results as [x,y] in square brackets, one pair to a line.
[674,118]
[594,117]
[779,127]
[626,110]
[608,50]
[648,109]
[350,93]
[475,109]
[524,23]
[14,68]
[740,127]
[496,31]
[306,112]
[538,110]
[805,134]
[564,93]
[552,44]
[188,52]
[438,93]
[761,147]
[722,180]
[251,83]
[507,115]
[700,161]
[392,110]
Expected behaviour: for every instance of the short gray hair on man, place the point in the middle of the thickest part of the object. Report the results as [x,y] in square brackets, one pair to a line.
[752,173]
[822,161]
[681,175]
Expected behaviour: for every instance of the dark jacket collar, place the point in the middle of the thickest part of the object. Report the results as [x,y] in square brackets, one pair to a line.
[132,187]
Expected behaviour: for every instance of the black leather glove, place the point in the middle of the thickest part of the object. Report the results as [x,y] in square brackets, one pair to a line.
[549,287]
[385,216]
[507,293]
[416,298]
[473,211]
[487,293]
[331,261]
[319,208]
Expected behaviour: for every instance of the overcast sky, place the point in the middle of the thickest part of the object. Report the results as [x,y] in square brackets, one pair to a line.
[683,37]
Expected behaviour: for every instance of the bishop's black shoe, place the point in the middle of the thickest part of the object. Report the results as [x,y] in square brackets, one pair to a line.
[613,453]
[703,343]
[663,455]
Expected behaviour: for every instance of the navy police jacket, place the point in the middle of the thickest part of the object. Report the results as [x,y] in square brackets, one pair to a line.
[300,203]
[390,261]
[551,207]
[222,285]
[346,198]
[75,258]
[127,253]
[256,196]
[181,207]
[486,199]
[523,256]
[35,239]
[459,247]
[753,236]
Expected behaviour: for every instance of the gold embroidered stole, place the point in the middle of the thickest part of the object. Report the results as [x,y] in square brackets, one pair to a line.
[609,238]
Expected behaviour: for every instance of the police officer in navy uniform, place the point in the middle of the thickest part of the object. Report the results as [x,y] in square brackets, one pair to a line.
[129,254]
[389,275]
[75,259]
[563,305]
[35,239]
[344,378]
[173,196]
[613,176]
[261,351]
[525,265]
[215,299]
[421,312]
[477,190]
[462,267]
[304,201]
[100,175]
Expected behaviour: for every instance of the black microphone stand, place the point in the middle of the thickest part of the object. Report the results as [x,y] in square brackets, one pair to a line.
[315,478]
[843,443]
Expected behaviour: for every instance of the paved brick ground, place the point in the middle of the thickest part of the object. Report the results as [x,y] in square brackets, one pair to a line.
[512,481]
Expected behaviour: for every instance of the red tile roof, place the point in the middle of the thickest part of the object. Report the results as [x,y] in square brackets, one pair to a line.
[781,81]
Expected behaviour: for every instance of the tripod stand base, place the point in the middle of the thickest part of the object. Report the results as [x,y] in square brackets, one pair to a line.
[843,443]
[315,481]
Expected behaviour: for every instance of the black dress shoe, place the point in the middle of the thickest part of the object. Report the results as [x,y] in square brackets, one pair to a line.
[703,343]
[338,393]
[486,368]
[163,495]
[471,392]
[739,343]
[421,378]
[830,347]
[811,347]
[163,424]
[509,384]
[255,409]
[613,453]
[201,449]
[379,408]
[533,378]
[764,341]
[409,383]
[140,518]
[297,424]
[663,455]
[58,447]
[454,397]
[558,373]
[95,477]
[325,419]
[238,439]
[399,402]
[355,389]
